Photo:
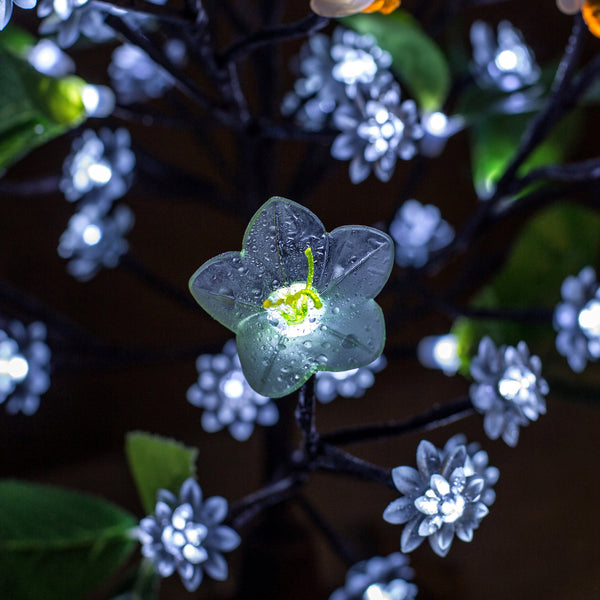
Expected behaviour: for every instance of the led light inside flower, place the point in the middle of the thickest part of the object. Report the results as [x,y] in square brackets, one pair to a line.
[296,309]
[517,384]
[589,319]
[436,123]
[507,60]
[92,235]
[375,592]
[15,367]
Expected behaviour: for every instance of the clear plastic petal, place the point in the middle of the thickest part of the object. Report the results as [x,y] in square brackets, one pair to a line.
[428,459]
[410,538]
[223,538]
[214,511]
[359,262]
[408,481]
[399,511]
[216,566]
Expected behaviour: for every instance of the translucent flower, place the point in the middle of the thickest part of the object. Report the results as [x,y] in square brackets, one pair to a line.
[349,384]
[418,230]
[136,77]
[383,574]
[376,128]
[6,8]
[440,499]
[344,8]
[577,319]
[24,366]
[94,240]
[99,168]
[299,299]
[329,66]
[186,535]
[227,398]
[509,389]
[506,63]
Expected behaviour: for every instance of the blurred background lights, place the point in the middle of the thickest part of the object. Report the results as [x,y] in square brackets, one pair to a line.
[233,386]
[374,592]
[436,123]
[98,100]
[356,65]
[507,60]
[47,58]
[439,352]
[92,234]
[517,384]
[16,367]
[99,173]
[589,318]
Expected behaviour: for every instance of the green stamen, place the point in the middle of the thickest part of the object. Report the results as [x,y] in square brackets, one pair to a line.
[294,307]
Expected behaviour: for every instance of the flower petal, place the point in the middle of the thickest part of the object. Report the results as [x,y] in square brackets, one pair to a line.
[410,538]
[359,262]
[213,511]
[275,241]
[228,290]
[216,566]
[223,538]
[399,511]
[408,481]
[428,459]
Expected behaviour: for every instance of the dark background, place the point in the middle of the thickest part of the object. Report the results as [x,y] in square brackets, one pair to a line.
[541,537]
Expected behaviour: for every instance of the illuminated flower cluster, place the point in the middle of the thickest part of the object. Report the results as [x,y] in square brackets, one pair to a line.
[348,384]
[378,578]
[98,171]
[24,366]
[509,389]
[577,319]
[418,230]
[99,168]
[6,9]
[227,398]
[94,239]
[506,63]
[443,498]
[376,129]
[331,68]
[344,8]
[186,535]
[299,299]
[136,77]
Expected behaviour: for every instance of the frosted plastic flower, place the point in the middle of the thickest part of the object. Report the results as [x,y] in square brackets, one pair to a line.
[509,389]
[506,62]
[329,66]
[299,299]
[383,574]
[476,463]
[94,240]
[186,535]
[440,499]
[24,366]
[418,230]
[376,129]
[136,77]
[348,384]
[577,319]
[344,8]
[99,168]
[227,398]
[6,8]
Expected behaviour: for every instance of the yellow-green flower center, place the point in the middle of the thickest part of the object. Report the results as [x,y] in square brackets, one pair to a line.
[298,302]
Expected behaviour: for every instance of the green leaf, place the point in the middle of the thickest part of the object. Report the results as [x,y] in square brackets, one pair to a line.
[141,583]
[158,463]
[57,544]
[417,59]
[34,108]
[495,140]
[558,242]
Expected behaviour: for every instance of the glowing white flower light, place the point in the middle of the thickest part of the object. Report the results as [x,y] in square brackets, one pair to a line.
[98,100]
[47,58]
[589,318]
[436,123]
[507,60]
[439,352]
[91,235]
[16,367]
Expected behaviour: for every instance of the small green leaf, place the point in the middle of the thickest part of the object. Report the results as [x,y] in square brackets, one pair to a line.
[158,463]
[34,108]
[495,140]
[57,544]
[417,59]
[558,242]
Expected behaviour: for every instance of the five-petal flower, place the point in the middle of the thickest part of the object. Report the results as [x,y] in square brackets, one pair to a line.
[299,299]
